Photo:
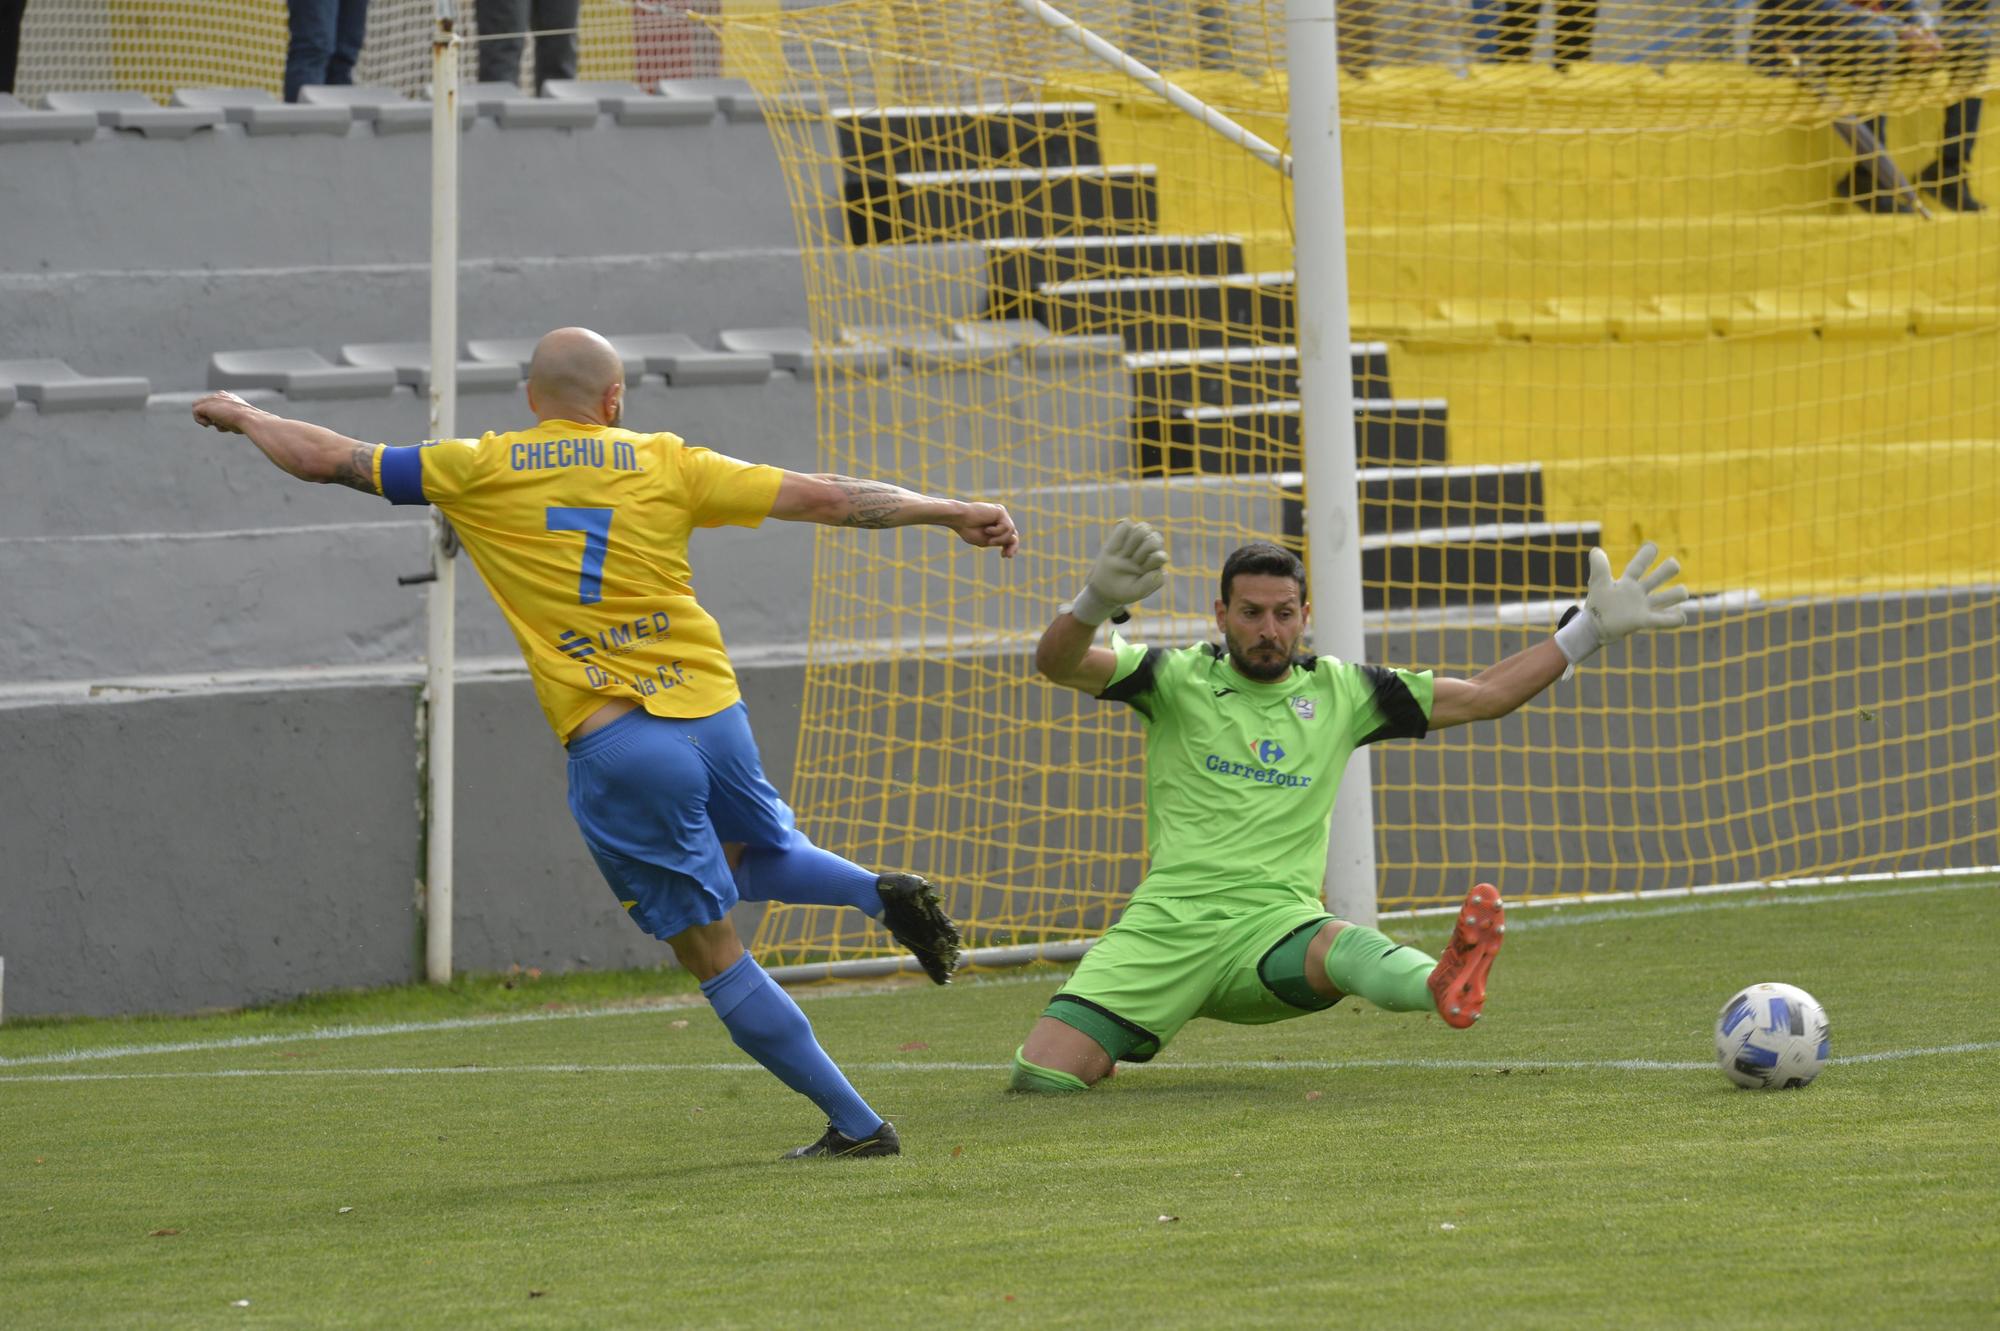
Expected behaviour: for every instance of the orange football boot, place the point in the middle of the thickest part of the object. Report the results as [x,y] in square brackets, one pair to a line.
[1458,984]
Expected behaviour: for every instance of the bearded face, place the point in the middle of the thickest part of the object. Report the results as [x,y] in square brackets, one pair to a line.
[1261,623]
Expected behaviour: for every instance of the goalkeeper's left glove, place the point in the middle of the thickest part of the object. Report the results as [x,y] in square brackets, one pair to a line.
[1616,608]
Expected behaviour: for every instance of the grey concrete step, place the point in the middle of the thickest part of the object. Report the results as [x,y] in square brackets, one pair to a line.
[319,595]
[53,385]
[163,324]
[1158,312]
[1497,562]
[260,113]
[1239,376]
[155,470]
[135,111]
[20,122]
[877,143]
[998,202]
[1401,499]
[1017,269]
[361,198]
[1264,436]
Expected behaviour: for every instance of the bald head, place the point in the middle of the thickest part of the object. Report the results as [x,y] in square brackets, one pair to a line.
[572,376]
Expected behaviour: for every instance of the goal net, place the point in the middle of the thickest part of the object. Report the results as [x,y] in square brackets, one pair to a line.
[1670,274]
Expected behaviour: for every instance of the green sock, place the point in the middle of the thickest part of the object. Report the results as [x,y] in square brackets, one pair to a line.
[1362,961]
[1034,1077]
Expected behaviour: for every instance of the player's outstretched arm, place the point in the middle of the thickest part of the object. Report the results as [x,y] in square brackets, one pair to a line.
[307,451]
[1130,567]
[1613,608]
[844,501]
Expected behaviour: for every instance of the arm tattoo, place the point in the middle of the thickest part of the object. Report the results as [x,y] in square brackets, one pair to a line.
[358,471]
[869,503]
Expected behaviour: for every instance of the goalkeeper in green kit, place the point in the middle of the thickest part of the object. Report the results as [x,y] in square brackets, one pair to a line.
[1245,744]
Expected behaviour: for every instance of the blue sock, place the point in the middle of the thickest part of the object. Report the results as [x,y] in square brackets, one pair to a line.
[802,874]
[767,1025]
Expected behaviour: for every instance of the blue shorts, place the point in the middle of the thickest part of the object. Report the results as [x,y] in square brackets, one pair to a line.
[655,798]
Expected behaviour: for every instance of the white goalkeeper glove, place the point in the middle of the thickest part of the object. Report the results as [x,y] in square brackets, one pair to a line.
[1130,567]
[1615,608]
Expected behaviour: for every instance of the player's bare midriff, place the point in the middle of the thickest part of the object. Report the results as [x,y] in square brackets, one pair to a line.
[603,717]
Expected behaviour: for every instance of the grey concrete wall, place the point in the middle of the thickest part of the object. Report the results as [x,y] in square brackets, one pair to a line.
[219,849]
[187,853]
[278,202]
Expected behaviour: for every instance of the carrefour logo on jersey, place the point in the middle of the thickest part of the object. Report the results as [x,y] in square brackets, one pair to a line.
[1266,751]
[1263,776]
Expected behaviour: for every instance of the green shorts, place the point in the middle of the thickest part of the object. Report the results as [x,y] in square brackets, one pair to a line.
[1169,960]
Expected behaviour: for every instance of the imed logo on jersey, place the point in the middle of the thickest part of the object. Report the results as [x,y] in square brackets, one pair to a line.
[1267,751]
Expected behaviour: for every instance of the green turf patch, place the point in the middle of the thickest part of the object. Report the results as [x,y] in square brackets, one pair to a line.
[482,994]
[1353,1167]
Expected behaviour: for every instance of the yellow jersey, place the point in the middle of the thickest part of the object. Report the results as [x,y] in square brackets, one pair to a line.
[581,534]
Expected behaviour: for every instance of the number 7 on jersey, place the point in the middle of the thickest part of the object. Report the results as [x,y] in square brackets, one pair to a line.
[595,524]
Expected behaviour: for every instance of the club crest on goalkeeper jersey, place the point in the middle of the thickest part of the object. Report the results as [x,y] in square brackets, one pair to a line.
[1241,775]
[581,533]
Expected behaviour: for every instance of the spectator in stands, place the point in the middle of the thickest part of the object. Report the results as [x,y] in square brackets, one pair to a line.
[503,24]
[1853,50]
[10,40]
[1966,29]
[326,41]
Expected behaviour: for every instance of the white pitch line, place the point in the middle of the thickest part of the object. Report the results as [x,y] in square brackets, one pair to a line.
[1560,917]
[1196,1065]
[647,1008]
[1610,911]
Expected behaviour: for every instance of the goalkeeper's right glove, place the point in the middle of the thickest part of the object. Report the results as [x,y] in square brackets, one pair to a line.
[1613,609]
[1129,568]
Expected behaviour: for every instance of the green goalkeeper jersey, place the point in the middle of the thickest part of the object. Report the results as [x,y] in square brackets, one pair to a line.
[1241,775]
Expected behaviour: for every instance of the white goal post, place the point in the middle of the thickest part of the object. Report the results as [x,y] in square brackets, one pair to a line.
[1326,382]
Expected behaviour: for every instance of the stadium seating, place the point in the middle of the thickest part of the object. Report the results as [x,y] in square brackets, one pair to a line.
[20,122]
[261,113]
[514,109]
[298,372]
[137,111]
[342,230]
[793,349]
[676,358]
[1071,248]
[732,96]
[411,362]
[53,386]
[624,102]
[385,108]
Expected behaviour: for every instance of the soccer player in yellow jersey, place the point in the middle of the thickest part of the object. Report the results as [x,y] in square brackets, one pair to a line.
[580,529]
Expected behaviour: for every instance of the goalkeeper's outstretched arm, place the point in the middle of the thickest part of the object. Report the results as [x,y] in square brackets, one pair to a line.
[1130,567]
[1612,609]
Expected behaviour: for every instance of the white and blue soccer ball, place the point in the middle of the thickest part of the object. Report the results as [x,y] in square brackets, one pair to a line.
[1771,1037]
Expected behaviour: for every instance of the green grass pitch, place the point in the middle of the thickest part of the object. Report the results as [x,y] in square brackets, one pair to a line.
[604,1168]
